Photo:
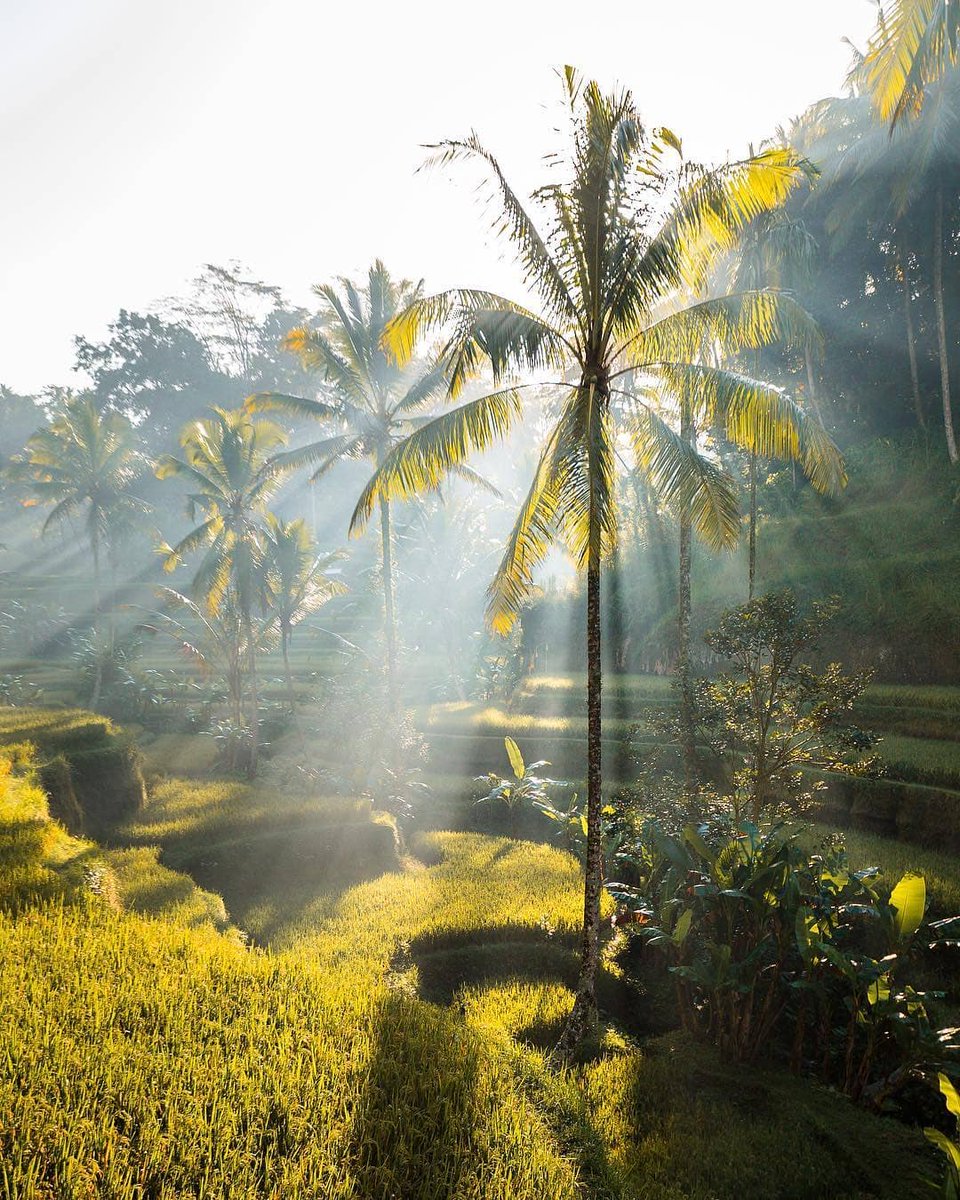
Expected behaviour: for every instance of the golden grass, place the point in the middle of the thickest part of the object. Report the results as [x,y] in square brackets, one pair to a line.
[148,1057]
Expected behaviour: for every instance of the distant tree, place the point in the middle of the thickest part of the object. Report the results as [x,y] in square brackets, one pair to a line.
[900,183]
[83,464]
[156,372]
[19,417]
[366,399]
[627,236]
[296,581]
[231,462]
[240,321]
[777,250]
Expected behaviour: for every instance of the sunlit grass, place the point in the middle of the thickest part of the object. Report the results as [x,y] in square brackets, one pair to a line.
[262,1077]
[180,1061]
[929,696]
[491,719]
[479,887]
[640,686]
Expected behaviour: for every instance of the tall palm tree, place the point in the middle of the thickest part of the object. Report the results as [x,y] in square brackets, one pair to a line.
[367,400]
[873,167]
[776,251]
[84,462]
[625,235]
[233,464]
[295,580]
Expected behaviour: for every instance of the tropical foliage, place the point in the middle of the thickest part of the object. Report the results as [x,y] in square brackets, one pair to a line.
[230,462]
[83,464]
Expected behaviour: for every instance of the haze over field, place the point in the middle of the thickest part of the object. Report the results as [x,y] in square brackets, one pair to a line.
[136,148]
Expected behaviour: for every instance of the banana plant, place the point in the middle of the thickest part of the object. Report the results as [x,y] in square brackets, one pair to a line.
[951,1182]
[764,937]
[524,788]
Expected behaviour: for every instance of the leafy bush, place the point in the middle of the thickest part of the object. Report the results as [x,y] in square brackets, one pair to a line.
[776,716]
[525,789]
[762,937]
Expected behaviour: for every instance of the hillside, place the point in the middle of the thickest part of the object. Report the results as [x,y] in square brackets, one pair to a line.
[387,1040]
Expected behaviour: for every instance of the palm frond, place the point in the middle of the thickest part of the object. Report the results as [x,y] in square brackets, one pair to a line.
[737,322]
[686,480]
[432,312]
[760,417]
[420,462]
[527,546]
[292,406]
[914,43]
[540,268]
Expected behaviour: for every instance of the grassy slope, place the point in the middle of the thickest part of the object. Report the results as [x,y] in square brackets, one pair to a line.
[315,1070]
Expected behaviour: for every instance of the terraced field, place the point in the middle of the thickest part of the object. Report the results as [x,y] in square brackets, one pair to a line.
[388,1040]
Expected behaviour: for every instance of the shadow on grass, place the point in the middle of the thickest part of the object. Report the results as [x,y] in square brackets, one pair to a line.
[281,872]
[512,953]
[444,1113]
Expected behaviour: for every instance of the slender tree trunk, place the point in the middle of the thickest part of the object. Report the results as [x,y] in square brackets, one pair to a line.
[389,620]
[942,327]
[812,384]
[752,564]
[98,649]
[583,1018]
[911,339]
[254,699]
[284,648]
[688,746]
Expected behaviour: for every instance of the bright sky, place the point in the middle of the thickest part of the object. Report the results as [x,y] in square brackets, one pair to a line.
[139,140]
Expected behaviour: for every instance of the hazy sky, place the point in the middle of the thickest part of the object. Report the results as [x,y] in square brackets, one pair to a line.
[141,140]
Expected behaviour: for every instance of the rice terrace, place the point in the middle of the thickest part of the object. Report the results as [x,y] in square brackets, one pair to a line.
[480,602]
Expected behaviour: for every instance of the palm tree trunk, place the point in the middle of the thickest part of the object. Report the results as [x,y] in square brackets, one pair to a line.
[942,326]
[254,699]
[284,646]
[390,630]
[583,1017]
[812,384]
[752,565]
[911,339]
[688,746]
[98,649]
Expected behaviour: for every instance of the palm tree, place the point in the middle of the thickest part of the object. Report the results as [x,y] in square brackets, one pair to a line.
[367,399]
[914,44]
[295,581]
[214,642]
[906,164]
[625,236]
[907,63]
[776,251]
[83,462]
[232,463]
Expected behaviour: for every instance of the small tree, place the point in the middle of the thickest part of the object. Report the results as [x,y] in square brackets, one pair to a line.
[776,716]
[296,582]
